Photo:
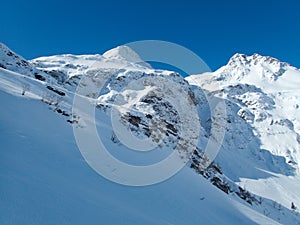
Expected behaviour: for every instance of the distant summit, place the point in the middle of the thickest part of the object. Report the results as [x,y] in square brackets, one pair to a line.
[125,53]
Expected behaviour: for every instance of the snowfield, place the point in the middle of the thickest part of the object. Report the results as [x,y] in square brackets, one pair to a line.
[44,178]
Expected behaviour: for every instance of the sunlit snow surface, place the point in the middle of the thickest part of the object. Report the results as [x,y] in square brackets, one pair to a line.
[45,180]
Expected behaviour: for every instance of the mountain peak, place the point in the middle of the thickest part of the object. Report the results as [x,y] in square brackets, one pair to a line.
[125,53]
[239,59]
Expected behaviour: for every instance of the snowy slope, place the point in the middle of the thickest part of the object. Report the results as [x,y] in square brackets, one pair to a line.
[16,63]
[68,69]
[45,180]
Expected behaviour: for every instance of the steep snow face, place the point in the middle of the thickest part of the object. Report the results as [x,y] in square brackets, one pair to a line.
[263,126]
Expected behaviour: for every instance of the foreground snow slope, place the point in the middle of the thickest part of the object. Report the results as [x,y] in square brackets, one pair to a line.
[44,180]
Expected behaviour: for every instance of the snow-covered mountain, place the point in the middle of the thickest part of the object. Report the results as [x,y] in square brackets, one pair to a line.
[262,138]
[44,179]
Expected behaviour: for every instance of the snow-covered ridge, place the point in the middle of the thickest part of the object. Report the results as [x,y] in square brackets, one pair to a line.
[255,59]
[243,68]
[68,69]
[11,61]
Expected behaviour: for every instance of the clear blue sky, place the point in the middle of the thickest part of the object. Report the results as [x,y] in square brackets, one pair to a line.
[215,30]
